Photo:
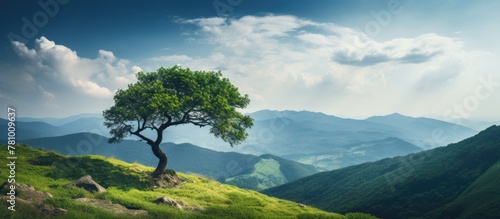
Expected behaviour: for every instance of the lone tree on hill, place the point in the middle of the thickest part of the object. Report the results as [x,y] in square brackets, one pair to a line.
[175,96]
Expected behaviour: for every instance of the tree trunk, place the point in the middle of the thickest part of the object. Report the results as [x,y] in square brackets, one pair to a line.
[162,164]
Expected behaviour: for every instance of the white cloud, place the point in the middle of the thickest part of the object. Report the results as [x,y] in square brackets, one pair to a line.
[48,99]
[93,77]
[55,78]
[286,61]
[92,89]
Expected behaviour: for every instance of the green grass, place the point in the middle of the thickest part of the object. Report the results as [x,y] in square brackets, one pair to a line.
[128,185]
[266,175]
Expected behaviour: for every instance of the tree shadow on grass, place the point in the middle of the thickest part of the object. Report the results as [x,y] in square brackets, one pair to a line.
[104,173]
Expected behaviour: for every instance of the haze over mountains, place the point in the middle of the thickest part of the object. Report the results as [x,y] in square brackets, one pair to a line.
[456,181]
[325,141]
[243,170]
[391,166]
[331,142]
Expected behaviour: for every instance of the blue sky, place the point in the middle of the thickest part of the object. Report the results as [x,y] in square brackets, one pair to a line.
[347,58]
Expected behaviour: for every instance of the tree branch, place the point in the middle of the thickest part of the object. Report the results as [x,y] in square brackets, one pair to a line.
[137,133]
[165,125]
[185,118]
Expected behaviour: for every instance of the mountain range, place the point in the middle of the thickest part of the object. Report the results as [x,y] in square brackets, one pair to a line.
[456,181]
[243,170]
[325,141]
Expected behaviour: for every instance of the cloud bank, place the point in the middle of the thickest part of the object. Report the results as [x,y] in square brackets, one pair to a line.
[281,61]
[288,62]
[54,78]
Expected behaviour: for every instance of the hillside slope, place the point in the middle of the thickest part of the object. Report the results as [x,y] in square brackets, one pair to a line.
[413,186]
[129,185]
[185,157]
[468,204]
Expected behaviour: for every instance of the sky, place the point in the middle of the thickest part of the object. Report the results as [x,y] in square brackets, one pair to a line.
[352,59]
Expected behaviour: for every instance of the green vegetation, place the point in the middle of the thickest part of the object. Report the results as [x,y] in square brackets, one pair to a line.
[271,171]
[267,174]
[130,185]
[456,181]
[177,96]
[469,204]
[184,158]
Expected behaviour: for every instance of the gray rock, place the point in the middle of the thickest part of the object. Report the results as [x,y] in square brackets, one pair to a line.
[87,183]
[168,201]
[49,210]
[26,192]
[183,203]
[114,208]
[27,195]
[301,205]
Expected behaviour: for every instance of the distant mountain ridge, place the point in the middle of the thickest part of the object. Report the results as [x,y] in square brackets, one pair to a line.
[60,121]
[326,141]
[182,157]
[456,181]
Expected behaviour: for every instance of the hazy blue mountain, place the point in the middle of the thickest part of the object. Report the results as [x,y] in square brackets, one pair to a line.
[456,181]
[88,124]
[477,124]
[356,153]
[26,130]
[309,137]
[183,157]
[59,121]
[30,128]
[425,132]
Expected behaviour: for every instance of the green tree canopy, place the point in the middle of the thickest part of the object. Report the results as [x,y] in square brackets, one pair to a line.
[175,96]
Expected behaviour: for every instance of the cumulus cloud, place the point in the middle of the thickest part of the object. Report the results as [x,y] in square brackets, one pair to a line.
[53,79]
[94,77]
[284,61]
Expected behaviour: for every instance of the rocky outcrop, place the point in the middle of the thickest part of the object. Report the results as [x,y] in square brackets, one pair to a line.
[114,208]
[168,201]
[87,183]
[169,179]
[26,192]
[179,205]
[27,195]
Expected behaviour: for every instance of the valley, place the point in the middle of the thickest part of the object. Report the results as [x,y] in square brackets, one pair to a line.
[334,164]
[445,182]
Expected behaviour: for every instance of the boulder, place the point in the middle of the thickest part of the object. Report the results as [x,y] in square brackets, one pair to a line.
[169,179]
[114,208]
[168,201]
[27,195]
[183,203]
[301,205]
[48,210]
[87,183]
[25,191]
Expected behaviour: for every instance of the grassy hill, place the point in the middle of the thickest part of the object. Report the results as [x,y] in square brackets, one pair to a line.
[188,158]
[469,204]
[456,181]
[128,185]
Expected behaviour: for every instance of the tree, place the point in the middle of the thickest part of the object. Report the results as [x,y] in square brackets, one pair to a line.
[175,96]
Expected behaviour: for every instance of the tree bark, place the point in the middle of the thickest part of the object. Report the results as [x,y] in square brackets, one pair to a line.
[162,164]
